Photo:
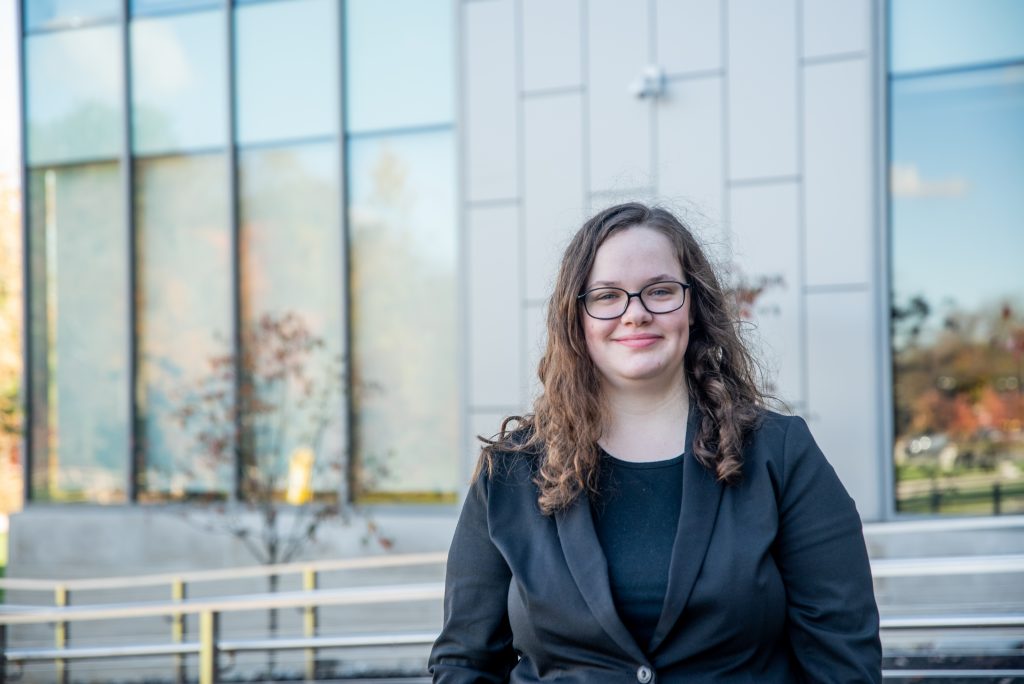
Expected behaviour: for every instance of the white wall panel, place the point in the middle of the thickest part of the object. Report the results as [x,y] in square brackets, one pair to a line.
[494,297]
[832,27]
[842,403]
[536,339]
[837,169]
[620,123]
[765,225]
[689,35]
[762,73]
[690,163]
[490,93]
[554,195]
[552,32]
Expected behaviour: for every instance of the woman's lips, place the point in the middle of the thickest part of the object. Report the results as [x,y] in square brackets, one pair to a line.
[638,341]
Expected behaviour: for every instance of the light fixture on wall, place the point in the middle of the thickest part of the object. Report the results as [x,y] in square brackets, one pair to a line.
[649,84]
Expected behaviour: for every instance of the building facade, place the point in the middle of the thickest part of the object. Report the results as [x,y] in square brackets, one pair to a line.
[258,230]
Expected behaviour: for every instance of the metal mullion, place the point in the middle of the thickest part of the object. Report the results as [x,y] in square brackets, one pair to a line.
[235,492]
[136,456]
[26,262]
[347,486]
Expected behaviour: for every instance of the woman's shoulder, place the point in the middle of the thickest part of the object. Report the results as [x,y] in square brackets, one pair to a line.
[508,458]
[777,433]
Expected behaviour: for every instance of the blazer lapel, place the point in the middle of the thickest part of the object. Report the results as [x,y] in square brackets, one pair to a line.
[702,494]
[589,568]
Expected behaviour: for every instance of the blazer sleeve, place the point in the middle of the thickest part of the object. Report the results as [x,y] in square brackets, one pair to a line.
[832,618]
[475,644]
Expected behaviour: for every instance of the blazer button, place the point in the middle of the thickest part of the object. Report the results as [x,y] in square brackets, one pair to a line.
[644,674]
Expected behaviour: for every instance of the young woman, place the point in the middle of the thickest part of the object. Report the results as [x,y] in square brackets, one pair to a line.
[652,520]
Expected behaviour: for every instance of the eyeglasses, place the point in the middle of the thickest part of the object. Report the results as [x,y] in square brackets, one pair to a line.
[606,303]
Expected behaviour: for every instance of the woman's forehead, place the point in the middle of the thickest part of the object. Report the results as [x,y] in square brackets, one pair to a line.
[635,253]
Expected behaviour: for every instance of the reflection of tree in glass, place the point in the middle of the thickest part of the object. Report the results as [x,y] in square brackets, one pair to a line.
[288,386]
[10,348]
[958,394]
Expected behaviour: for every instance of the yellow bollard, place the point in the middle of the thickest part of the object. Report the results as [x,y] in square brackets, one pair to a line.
[300,476]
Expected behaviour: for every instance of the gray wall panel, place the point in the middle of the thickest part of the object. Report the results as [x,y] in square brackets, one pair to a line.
[495,321]
[765,225]
[690,163]
[554,194]
[762,89]
[552,52]
[620,123]
[490,96]
[842,372]
[832,27]
[837,168]
[689,35]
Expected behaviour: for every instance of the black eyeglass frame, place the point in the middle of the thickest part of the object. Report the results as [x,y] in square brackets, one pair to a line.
[629,296]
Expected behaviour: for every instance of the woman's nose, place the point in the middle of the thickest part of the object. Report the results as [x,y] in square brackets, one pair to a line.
[635,311]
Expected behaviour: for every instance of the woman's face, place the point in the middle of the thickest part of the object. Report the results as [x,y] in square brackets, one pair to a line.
[638,349]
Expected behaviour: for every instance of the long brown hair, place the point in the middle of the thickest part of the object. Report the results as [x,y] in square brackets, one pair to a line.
[568,418]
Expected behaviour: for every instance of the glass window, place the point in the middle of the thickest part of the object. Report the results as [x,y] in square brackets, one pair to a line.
[938,34]
[291,281]
[287,57]
[179,83]
[79,337]
[74,88]
[185,330]
[51,14]
[398,73]
[402,226]
[958,290]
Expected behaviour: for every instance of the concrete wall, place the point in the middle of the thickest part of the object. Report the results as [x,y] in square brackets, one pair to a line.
[762,139]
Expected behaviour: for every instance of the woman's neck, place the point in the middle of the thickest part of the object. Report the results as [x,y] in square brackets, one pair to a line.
[645,425]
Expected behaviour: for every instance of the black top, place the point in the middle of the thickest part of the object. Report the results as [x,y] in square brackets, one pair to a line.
[635,519]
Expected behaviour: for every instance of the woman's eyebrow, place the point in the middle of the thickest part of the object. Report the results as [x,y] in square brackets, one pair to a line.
[615,283]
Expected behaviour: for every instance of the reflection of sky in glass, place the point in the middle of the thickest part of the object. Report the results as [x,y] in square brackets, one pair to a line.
[287,61]
[179,83]
[932,34]
[957,175]
[399,63]
[424,166]
[41,14]
[74,95]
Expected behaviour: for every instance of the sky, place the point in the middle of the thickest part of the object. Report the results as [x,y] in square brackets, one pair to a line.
[8,91]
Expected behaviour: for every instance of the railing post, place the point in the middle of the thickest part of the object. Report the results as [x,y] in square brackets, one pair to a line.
[309,622]
[61,633]
[178,630]
[997,499]
[208,636]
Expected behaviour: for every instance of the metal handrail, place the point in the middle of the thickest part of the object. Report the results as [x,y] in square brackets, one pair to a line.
[946,565]
[224,646]
[225,604]
[366,562]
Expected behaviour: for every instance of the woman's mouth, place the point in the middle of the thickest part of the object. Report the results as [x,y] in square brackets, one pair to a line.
[638,341]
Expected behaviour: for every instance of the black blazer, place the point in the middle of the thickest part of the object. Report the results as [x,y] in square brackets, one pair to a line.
[769,581]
